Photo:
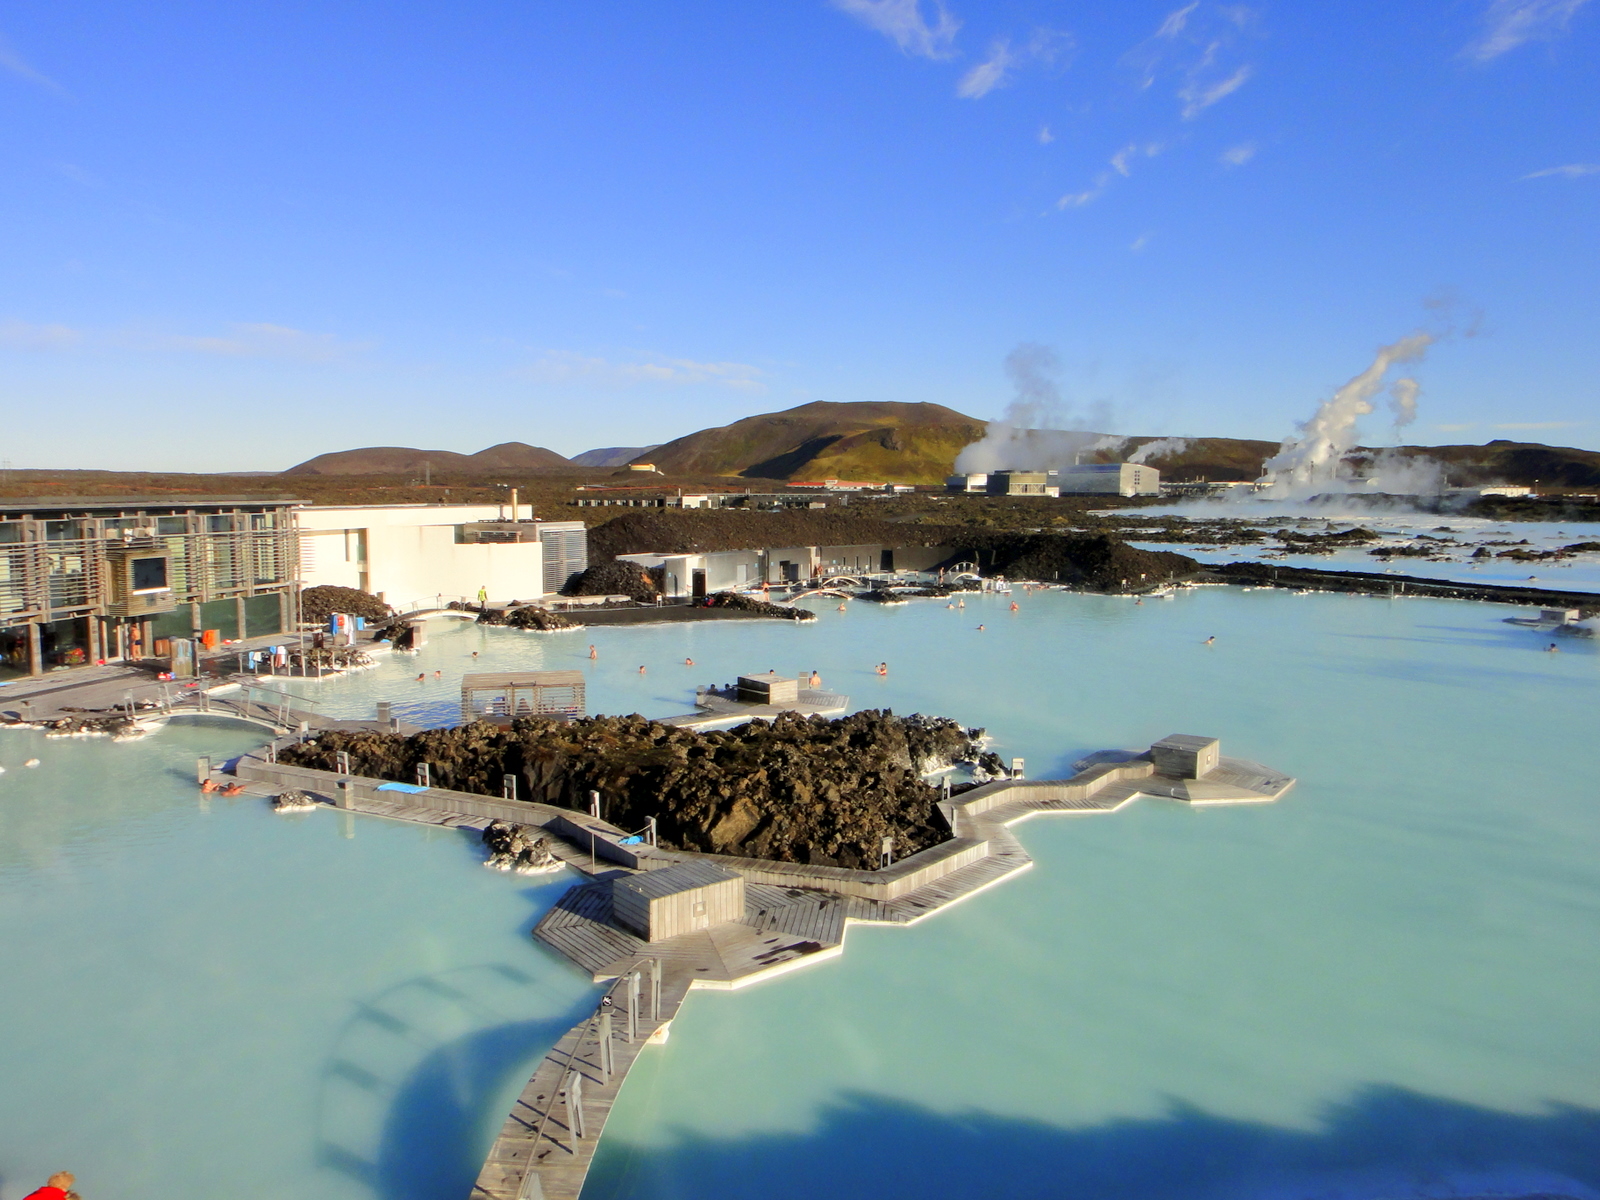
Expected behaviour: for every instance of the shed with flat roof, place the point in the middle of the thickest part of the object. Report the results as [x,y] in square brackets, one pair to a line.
[1186,756]
[692,896]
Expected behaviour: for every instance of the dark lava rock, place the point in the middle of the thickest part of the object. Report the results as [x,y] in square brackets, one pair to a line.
[527,617]
[319,603]
[795,789]
[742,603]
[614,579]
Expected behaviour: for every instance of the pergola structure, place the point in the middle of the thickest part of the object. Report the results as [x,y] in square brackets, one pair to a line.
[503,696]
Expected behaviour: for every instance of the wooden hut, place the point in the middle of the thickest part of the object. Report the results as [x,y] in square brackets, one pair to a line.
[692,896]
[502,696]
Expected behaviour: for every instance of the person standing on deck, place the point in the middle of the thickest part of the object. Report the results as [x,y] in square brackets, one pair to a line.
[483,595]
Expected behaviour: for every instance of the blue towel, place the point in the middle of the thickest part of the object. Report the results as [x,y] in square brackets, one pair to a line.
[409,788]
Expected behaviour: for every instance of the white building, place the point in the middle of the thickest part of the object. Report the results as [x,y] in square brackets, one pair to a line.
[1110,479]
[414,555]
[973,481]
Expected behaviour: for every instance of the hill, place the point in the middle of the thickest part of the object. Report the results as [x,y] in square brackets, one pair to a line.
[611,456]
[400,460]
[1532,464]
[887,440]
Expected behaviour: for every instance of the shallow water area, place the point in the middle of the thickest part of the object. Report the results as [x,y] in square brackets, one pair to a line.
[1380,986]
[207,999]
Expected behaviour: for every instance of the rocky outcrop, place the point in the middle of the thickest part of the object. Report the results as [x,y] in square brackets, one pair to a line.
[614,579]
[795,789]
[293,800]
[519,848]
[317,604]
[529,616]
[739,602]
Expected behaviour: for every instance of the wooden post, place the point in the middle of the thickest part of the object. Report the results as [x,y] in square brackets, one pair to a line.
[35,650]
[655,989]
[341,795]
[652,831]
[423,776]
[633,1006]
[575,1103]
[202,769]
[240,617]
[594,804]
[383,713]
[608,1061]
[508,787]
[341,761]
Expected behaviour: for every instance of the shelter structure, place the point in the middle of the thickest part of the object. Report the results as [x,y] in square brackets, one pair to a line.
[502,696]
[686,898]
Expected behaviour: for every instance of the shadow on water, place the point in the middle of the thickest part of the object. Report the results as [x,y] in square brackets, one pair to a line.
[1383,1143]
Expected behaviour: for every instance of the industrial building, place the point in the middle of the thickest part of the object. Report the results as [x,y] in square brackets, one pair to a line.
[1108,479]
[692,576]
[85,581]
[1021,483]
[411,555]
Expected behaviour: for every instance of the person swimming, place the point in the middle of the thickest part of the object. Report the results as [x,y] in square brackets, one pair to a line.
[841,606]
[593,653]
[688,662]
[1212,640]
[1015,606]
[641,668]
[883,668]
[57,1187]
[422,677]
[438,674]
[1552,648]
[980,628]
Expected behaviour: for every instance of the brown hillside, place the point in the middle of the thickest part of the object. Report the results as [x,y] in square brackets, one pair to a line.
[400,460]
[878,440]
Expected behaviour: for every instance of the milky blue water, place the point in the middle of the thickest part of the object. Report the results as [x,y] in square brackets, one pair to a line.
[1382,986]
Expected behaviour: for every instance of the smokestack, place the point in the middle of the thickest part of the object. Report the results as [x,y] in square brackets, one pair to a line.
[513,504]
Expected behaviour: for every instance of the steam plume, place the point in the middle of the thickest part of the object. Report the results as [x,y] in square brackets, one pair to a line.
[1036,432]
[1403,399]
[1316,458]
[1159,449]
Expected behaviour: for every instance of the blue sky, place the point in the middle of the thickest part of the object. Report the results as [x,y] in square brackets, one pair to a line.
[233,236]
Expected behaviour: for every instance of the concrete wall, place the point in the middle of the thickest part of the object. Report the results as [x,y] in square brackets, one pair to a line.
[413,554]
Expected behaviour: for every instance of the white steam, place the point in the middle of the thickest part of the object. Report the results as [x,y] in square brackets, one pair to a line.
[1036,433]
[1403,399]
[1159,449]
[1315,461]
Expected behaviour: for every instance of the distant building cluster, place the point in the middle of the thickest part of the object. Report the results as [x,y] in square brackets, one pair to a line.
[1086,479]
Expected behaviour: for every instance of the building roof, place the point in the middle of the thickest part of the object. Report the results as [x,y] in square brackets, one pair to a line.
[78,503]
[684,877]
[500,679]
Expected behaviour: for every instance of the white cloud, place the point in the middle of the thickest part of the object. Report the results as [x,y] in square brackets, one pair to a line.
[261,341]
[903,23]
[1140,242]
[11,61]
[23,336]
[1173,25]
[1570,171]
[992,72]
[1237,156]
[1197,96]
[561,365]
[1510,23]
[1045,136]
[1121,164]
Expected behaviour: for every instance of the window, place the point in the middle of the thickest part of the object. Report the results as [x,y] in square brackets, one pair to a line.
[220,523]
[148,574]
[172,526]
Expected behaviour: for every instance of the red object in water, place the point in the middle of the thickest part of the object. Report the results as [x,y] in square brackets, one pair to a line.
[46,1193]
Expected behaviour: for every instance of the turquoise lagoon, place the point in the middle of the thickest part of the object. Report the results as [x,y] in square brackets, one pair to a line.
[1382,986]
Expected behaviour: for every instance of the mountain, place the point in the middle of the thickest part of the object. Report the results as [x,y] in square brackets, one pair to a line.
[612,456]
[877,440]
[1532,464]
[404,460]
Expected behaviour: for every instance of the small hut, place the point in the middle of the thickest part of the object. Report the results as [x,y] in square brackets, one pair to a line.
[692,896]
[503,696]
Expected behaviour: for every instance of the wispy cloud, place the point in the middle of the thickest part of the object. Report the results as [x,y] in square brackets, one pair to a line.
[1045,136]
[1198,96]
[11,61]
[1537,425]
[1121,163]
[1139,243]
[263,341]
[992,72]
[1198,46]
[22,336]
[562,365]
[903,22]
[1510,23]
[1457,428]
[1237,156]
[1570,171]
